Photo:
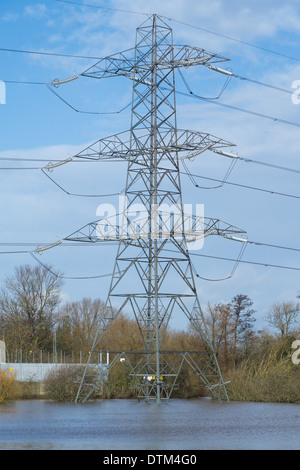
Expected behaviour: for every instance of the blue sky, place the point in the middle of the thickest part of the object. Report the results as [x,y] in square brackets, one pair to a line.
[36,124]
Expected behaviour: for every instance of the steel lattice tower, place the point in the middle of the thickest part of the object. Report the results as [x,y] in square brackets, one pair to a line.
[153,254]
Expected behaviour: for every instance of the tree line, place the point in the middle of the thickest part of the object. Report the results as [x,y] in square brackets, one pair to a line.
[32,315]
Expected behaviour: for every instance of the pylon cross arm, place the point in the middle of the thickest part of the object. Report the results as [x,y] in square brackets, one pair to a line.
[190,226]
[121,146]
[187,56]
[123,64]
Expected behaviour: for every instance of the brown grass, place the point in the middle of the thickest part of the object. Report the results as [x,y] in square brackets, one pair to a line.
[8,386]
[268,380]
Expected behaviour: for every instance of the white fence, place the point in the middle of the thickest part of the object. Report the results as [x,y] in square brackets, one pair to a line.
[38,371]
[28,372]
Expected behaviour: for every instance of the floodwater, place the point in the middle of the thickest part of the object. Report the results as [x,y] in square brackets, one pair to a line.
[132,425]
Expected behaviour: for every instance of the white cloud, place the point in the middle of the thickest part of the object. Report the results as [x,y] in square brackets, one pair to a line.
[10,16]
[248,20]
[35,11]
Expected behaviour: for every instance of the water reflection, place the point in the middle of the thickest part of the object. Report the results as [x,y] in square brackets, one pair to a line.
[128,424]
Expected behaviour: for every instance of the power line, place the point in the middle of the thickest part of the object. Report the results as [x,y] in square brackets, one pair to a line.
[20,168]
[237,157]
[230,75]
[210,100]
[72,244]
[102,8]
[64,100]
[191,94]
[236,108]
[56,54]
[31,244]
[237,261]
[21,159]
[194,95]
[192,254]
[222,182]
[274,246]
[246,261]
[24,82]
[265,49]
[191,175]
[81,195]
[13,252]
[68,277]
[268,85]
[214,98]
[86,112]
[257,162]
[63,244]
[271,165]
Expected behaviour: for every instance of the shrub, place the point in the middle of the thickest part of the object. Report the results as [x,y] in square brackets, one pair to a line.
[62,384]
[7,386]
[265,382]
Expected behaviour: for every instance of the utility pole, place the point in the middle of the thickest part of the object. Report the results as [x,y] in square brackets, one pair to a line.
[153,275]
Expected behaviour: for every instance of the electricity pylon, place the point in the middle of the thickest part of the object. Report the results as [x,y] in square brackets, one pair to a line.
[153,275]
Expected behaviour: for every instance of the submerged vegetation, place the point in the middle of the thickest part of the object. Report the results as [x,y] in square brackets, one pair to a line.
[258,365]
[264,374]
[7,386]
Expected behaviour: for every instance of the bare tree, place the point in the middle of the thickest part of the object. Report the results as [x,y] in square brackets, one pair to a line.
[28,303]
[220,322]
[77,323]
[283,316]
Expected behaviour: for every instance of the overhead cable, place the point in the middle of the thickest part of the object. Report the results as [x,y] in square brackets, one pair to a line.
[237,261]
[86,112]
[257,162]
[102,7]
[80,195]
[68,277]
[265,49]
[246,261]
[191,175]
[57,54]
[72,244]
[191,94]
